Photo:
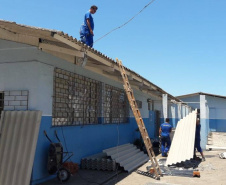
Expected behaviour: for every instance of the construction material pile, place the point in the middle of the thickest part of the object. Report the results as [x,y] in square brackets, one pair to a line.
[98,161]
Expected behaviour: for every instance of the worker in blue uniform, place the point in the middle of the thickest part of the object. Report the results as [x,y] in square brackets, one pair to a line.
[197,141]
[164,133]
[86,30]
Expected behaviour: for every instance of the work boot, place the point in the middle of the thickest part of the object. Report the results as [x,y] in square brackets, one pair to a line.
[165,154]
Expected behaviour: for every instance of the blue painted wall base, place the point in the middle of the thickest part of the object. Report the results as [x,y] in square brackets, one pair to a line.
[82,141]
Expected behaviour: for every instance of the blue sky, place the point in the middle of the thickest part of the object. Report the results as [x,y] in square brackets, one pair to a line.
[179,45]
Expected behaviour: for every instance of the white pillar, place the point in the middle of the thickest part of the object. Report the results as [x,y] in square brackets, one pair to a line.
[204,120]
[179,111]
[173,113]
[165,105]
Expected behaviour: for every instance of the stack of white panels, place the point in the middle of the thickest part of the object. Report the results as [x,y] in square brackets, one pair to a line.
[182,147]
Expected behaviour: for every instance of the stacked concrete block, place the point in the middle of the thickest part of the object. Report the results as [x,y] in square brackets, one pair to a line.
[16,100]
[98,162]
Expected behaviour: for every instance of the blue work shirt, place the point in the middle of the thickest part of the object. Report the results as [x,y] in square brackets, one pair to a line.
[166,129]
[88,15]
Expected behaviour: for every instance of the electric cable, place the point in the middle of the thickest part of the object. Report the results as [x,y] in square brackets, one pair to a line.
[125,22]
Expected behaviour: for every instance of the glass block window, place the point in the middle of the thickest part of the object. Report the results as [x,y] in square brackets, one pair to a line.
[76,99]
[116,107]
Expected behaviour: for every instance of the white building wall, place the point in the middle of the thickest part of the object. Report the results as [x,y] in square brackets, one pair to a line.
[217,107]
[28,68]
[35,77]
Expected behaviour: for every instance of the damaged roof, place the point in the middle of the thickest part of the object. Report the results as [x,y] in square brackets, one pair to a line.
[72,50]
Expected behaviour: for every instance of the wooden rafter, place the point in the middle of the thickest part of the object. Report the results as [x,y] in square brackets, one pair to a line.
[62,50]
[16,37]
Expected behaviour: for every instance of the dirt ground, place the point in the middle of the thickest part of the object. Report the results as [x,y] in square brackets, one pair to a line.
[213,171]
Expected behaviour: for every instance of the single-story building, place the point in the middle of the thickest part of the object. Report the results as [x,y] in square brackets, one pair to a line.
[212,112]
[79,91]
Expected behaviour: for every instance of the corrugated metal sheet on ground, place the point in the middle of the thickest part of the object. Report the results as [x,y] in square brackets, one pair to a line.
[128,156]
[18,138]
[182,147]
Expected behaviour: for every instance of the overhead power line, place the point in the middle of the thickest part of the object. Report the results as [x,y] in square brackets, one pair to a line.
[126,22]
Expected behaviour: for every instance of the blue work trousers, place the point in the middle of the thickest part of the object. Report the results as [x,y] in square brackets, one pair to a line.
[197,145]
[88,40]
[85,36]
[165,145]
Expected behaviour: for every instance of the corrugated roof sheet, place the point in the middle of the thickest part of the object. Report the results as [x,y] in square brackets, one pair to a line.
[182,147]
[200,93]
[18,139]
[128,156]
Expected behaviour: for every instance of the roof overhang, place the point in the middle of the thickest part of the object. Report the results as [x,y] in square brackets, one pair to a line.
[201,93]
[70,49]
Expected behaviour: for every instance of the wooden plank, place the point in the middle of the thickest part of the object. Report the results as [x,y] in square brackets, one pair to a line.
[55,48]
[66,41]
[88,53]
[98,58]
[12,36]
[101,72]
[101,66]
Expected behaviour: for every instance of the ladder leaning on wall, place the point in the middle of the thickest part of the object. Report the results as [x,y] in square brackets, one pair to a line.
[139,120]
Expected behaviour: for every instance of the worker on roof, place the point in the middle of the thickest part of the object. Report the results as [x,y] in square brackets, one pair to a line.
[164,134]
[86,30]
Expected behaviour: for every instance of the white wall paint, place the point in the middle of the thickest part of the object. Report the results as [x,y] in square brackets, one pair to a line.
[23,67]
[35,77]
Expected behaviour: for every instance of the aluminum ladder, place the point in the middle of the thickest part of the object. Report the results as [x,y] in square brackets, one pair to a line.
[139,120]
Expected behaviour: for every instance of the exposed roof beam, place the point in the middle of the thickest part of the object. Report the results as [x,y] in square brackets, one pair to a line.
[101,66]
[100,71]
[136,83]
[100,59]
[12,36]
[76,46]
[61,50]
[112,73]
[66,41]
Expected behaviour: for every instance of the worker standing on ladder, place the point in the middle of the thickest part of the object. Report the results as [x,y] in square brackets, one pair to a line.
[164,133]
[86,30]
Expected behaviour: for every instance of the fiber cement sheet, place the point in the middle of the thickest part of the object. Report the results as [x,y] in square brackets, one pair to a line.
[182,147]
[18,138]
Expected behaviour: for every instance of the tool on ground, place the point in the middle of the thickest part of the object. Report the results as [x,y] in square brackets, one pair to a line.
[57,158]
[196,173]
[139,120]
